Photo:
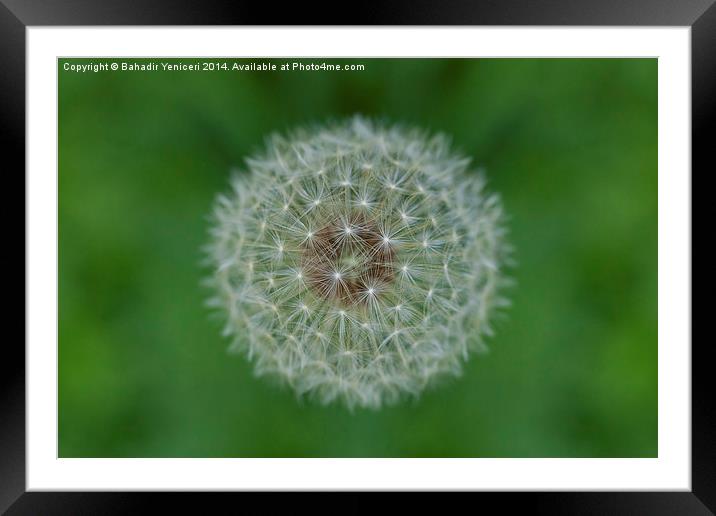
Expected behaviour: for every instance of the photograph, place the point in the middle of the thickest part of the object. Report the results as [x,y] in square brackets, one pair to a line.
[422,248]
[357,257]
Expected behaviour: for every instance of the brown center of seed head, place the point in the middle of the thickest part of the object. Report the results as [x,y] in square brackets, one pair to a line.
[348,261]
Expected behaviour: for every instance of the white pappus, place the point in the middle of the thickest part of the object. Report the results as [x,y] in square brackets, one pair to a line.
[357,261]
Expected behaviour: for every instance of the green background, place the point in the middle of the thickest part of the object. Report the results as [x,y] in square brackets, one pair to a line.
[571,144]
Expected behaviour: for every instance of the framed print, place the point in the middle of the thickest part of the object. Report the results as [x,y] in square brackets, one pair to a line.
[358,258]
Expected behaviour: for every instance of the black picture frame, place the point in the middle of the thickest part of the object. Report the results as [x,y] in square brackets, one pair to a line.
[17,15]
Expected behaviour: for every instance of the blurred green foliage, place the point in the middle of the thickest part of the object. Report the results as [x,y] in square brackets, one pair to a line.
[571,144]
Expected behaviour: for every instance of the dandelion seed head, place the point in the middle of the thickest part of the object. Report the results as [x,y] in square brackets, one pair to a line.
[356,261]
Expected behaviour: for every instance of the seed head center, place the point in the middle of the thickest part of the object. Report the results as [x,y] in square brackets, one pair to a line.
[346,259]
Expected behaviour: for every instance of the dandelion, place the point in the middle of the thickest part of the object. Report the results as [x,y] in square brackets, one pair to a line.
[357,262]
